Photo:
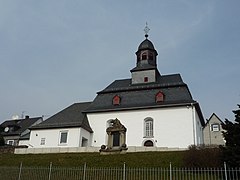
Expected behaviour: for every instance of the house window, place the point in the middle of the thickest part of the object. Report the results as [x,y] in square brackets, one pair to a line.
[116,100]
[159,97]
[10,142]
[63,137]
[42,141]
[215,127]
[148,127]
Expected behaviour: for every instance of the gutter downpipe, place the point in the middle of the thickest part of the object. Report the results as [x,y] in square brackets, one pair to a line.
[194,131]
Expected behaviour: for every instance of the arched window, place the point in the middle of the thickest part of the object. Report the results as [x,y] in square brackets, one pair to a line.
[148,143]
[144,56]
[148,127]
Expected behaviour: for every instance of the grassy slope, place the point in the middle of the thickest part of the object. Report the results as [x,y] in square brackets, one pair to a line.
[146,159]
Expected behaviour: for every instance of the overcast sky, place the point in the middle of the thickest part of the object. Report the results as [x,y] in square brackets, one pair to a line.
[57,52]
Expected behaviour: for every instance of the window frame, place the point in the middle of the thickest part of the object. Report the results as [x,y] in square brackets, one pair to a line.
[10,140]
[216,128]
[148,128]
[42,141]
[60,137]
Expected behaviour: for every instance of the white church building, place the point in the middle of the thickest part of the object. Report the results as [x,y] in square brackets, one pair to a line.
[147,110]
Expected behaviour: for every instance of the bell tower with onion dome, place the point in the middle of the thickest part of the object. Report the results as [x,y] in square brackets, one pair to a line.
[146,68]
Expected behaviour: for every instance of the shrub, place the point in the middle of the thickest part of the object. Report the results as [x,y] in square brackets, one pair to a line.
[2,143]
[202,156]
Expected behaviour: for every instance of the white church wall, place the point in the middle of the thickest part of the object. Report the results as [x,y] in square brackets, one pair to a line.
[85,135]
[51,137]
[173,126]
[199,129]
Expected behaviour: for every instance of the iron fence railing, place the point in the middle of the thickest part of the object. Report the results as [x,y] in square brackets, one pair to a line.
[118,173]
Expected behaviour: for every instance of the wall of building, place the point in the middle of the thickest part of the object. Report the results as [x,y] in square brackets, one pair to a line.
[198,128]
[23,142]
[173,126]
[52,137]
[138,76]
[87,150]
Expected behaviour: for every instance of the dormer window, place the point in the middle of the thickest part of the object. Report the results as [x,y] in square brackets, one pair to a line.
[116,100]
[159,97]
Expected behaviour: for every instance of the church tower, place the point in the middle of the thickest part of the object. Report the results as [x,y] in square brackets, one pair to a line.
[146,68]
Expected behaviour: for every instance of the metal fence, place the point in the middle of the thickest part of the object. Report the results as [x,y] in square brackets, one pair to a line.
[118,173]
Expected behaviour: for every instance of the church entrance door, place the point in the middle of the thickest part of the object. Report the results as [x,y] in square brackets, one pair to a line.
[116,139]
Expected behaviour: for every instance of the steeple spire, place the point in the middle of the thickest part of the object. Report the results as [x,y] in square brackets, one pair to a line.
[146,30]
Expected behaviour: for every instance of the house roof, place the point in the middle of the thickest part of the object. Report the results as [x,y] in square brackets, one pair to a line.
[71,116]
[18,126]
[211,117]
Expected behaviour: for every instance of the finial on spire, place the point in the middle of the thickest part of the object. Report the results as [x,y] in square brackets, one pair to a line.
[146,30]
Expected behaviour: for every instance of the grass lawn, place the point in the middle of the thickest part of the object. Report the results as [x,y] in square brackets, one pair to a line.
[141,159]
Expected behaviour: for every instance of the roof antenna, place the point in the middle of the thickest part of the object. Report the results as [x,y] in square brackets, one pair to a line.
[146,30]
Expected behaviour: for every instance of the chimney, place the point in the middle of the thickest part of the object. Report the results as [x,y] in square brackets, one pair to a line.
[26,117]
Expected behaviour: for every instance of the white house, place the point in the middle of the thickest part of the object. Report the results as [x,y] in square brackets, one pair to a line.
[16,131]
[68,128]
[150,109]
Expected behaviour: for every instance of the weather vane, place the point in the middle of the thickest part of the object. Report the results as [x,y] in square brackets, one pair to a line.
[146,30]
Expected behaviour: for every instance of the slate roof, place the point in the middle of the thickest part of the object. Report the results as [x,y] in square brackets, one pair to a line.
[142,96]
[208,120]
[18,126]
[71,116]
[146,44]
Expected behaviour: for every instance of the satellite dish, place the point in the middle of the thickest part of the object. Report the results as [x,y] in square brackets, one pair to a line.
[15,117]
[6,129]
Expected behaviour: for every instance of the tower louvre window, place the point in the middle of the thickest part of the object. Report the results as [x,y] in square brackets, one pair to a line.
[145,79]
[159,97]
[150,56]
[144,56]
[116,100]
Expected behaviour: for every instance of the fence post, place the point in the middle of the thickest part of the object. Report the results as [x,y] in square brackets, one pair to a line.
[124,171]
[20,171]
[50,171]
[84,170]
[225,170]
[170,170]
